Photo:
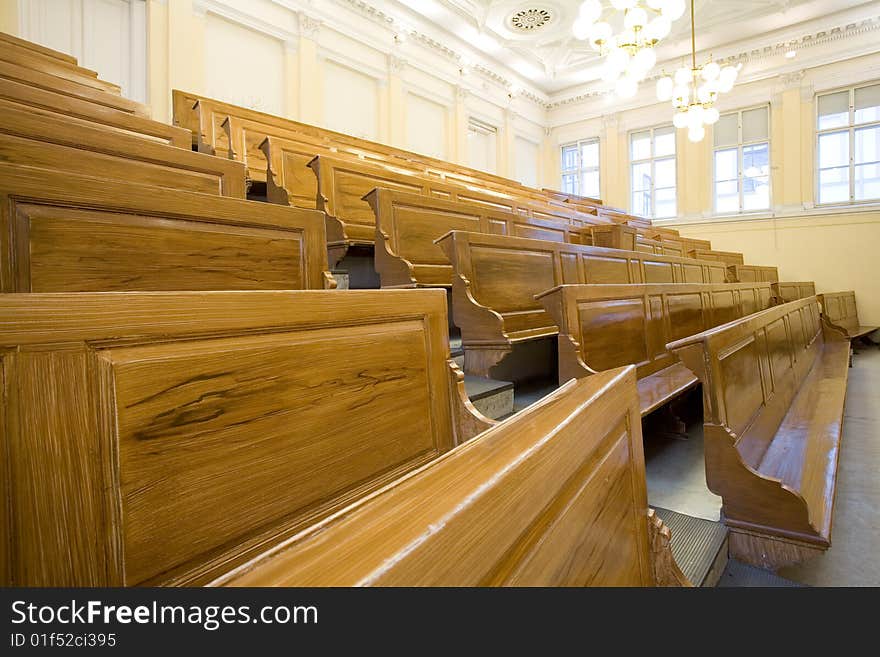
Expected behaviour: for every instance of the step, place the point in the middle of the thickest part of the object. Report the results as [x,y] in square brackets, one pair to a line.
[492,398]
[699,546]
[738,574]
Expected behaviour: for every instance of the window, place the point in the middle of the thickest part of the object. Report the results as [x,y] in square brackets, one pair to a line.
[742,161]
[652,172]
[580,168]
[848,145]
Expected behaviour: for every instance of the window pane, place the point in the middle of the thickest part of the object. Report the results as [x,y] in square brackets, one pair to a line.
[569,157]
[590,154]
[756,160]
[834,110]
[868,104]
[834,185]
[726,130]
[867,180]
[640,145]
[756,124]
[725,164]
[641,203]
[834,149]
[590,186]
[641,176]
[727,196]
[664,142]
[756,193]
[664,172]
[665,199]
[569,183]
[867,145]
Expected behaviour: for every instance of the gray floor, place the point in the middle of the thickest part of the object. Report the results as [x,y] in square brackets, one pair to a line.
[676,480]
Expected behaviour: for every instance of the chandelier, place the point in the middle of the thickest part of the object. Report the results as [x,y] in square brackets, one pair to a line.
[629,55]
[693,91]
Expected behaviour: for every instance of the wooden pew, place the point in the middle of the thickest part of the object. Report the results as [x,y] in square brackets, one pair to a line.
[605,326]
[181,434]
[773,399]
[567,197]
[43,102]
[841,317]
[65,232]
[343,184]
[496,278]
[508,508]
[56,143]
[48,82]
[792,291]
[688,244]
[752,273]
[661,248]
[11,40]
[37,61]
[727,257]
[408,225]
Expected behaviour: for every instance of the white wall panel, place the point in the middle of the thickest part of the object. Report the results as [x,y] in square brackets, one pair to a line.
[243,67]
[351,101]
[426,126]
[108,36]
[526,162]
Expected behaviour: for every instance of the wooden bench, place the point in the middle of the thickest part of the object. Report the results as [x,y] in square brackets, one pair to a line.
[606,326]
[508,508]
[43,102]
[9,39]
[29,58]
[665,247]
[793,290]
[65,232]
[727,257]
[408,225]
[840,315]
[48,82]
[343,184]
[181,434]
[773,398]
[752,273]
[54,142]
[496,278]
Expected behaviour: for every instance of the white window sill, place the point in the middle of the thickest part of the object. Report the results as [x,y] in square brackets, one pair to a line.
[780,213]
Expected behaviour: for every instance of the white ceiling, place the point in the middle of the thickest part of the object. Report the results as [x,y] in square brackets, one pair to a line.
[549,60]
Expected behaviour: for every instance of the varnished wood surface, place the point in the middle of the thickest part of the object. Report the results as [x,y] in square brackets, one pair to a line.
[774,392]
[752,274]
[606,326]
[840,313]
[555,496]
[408,225]
[42,101]
[182,433]
[56,143]
[727,257]
[55,84]
[37,48]
[64,232]
[793,290]
[497,277]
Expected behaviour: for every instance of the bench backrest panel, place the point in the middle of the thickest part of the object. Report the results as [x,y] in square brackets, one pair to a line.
[616,325]
[188,430]
[505,273]
[752,274]
[509,508]
[727,257]
[37,61]
[792,291]
[840,309]
[64,232]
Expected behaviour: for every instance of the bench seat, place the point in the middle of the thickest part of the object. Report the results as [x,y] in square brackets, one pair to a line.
[804,452]
[662,387]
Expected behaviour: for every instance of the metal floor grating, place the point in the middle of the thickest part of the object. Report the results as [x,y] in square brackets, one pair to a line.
[738,574]
[695,543]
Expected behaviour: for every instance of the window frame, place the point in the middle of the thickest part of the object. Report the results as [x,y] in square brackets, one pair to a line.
[740,145]
[851,127]
[652,159]
[580,169]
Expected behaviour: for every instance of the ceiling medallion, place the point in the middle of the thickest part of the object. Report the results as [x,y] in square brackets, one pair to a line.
[530,19]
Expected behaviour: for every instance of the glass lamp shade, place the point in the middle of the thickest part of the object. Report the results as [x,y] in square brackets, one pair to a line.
[679,120]
[600,34]
[657,5]
[727,75]
[644,60]
[622,5]
[658,28]
[710,71]
[590,11]
[618,59]
[682,76]
[696,134]
[581,29]
[711,116]
[635,18]
[665,85]
[673,9]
